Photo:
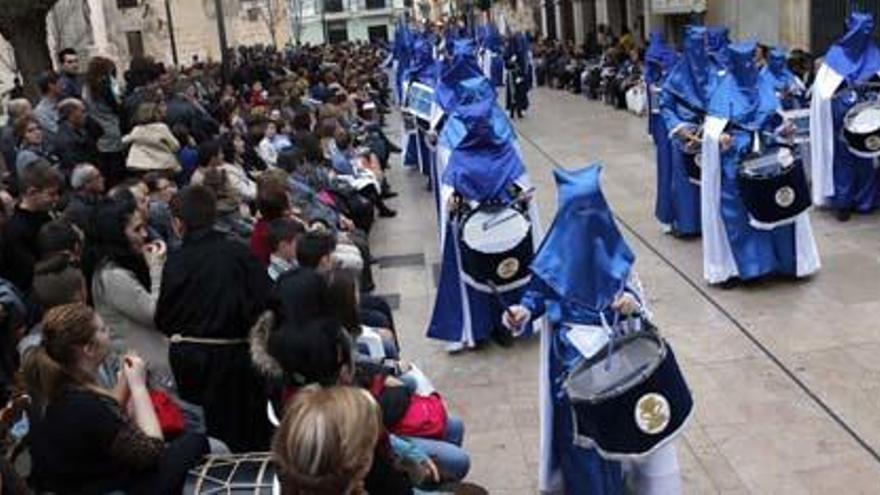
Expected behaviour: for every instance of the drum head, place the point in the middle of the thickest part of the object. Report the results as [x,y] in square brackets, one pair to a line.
[232,474]
[494,230]
[631,361]
[864,119]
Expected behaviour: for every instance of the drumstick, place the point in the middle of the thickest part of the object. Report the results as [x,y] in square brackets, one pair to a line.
[500,300]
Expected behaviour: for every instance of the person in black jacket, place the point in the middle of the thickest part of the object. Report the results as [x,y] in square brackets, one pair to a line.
[75,142]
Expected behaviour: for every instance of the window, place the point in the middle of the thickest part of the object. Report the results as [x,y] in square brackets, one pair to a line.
[337,32]
[377,33]
[375,4]
[333,6]
[135,43]
[126,4]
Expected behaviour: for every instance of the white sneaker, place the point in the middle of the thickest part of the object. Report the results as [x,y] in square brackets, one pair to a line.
[455,347]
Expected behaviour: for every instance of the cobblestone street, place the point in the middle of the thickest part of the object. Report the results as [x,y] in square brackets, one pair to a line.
[785,374]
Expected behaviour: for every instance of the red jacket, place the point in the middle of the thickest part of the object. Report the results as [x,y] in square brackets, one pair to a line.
[260,242]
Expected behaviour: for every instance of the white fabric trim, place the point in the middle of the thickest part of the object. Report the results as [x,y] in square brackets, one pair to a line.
[805,249]
[718,261]
[822,134]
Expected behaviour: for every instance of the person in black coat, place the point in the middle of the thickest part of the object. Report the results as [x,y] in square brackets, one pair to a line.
[75,142]
[213,290]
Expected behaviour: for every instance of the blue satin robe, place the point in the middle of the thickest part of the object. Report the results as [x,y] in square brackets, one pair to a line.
[584,471]
[757,252]
[855,178]
[683,196]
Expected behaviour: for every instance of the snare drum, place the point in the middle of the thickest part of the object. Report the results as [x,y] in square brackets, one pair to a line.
[496,247]
[410,123]
[773,186]
[630,398]
[861,129]
[233,474]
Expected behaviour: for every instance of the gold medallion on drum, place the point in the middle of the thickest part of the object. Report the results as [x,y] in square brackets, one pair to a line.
[652,413]
[508,268]
[872,143]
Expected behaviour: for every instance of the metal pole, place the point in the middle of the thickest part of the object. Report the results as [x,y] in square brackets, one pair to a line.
[324,20]
[221,31]
[171,32]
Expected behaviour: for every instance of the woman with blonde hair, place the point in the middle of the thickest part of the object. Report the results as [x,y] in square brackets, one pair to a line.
[90,439]
[326,441]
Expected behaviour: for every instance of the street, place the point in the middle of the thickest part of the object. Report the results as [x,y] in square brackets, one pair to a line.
[785,374]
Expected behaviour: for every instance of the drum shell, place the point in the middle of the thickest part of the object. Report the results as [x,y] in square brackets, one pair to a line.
[862,145]
[481,269]
[611,427]
[232,474]
[761,195]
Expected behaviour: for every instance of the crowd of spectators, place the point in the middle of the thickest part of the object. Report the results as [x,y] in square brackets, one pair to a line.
[185,257]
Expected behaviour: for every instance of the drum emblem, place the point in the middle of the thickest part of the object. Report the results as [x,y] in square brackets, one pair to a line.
[508,268]
[652,413]
[872,143]
[785,196]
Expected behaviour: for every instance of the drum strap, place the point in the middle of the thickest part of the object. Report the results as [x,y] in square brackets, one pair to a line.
[180,339]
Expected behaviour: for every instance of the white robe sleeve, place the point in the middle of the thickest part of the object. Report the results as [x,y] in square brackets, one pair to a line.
[822,134]
[718,261]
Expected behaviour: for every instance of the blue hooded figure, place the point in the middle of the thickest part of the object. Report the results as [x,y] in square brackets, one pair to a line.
[491,53]
[683,102]
[659,59]
[717,39]
[842,180]
[743,113]
[574,288]
[518,77]
[788,86]
[487,221]
[423,69]
[401,54]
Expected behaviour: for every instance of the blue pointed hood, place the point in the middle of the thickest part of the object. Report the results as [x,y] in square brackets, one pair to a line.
[689,79]
[422,66]
[777,70]
[491,38]
[583,258]
[454,72]
[659,58]
[855,56]
[742,96]
[717,40]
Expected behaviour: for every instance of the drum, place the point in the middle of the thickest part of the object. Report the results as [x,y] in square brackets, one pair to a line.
[861,129]
[799,120]
[630,398]
[496,247]
[233,474]
[773,186]
[693,165]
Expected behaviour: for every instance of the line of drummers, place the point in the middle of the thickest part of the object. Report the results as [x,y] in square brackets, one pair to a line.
[612,397]
[744,149]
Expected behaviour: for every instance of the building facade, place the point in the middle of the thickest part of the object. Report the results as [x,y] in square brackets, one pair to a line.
[790,23]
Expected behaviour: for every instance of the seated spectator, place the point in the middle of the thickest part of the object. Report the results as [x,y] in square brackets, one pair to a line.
[32,145]
[283,233]
[60,237]
[89,437]
[125,276]
[16,109]
[272,143]
[88,189]
[153,146]
[74,143]
[273,202]
[233,215]
[326,442]
[188,155]
[46,111]
[232,147]
[40,184]
[162,191]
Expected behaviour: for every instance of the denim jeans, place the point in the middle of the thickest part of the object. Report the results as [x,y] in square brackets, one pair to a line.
[451,459]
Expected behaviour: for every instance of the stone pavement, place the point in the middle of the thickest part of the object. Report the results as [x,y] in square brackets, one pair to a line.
[785,375]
